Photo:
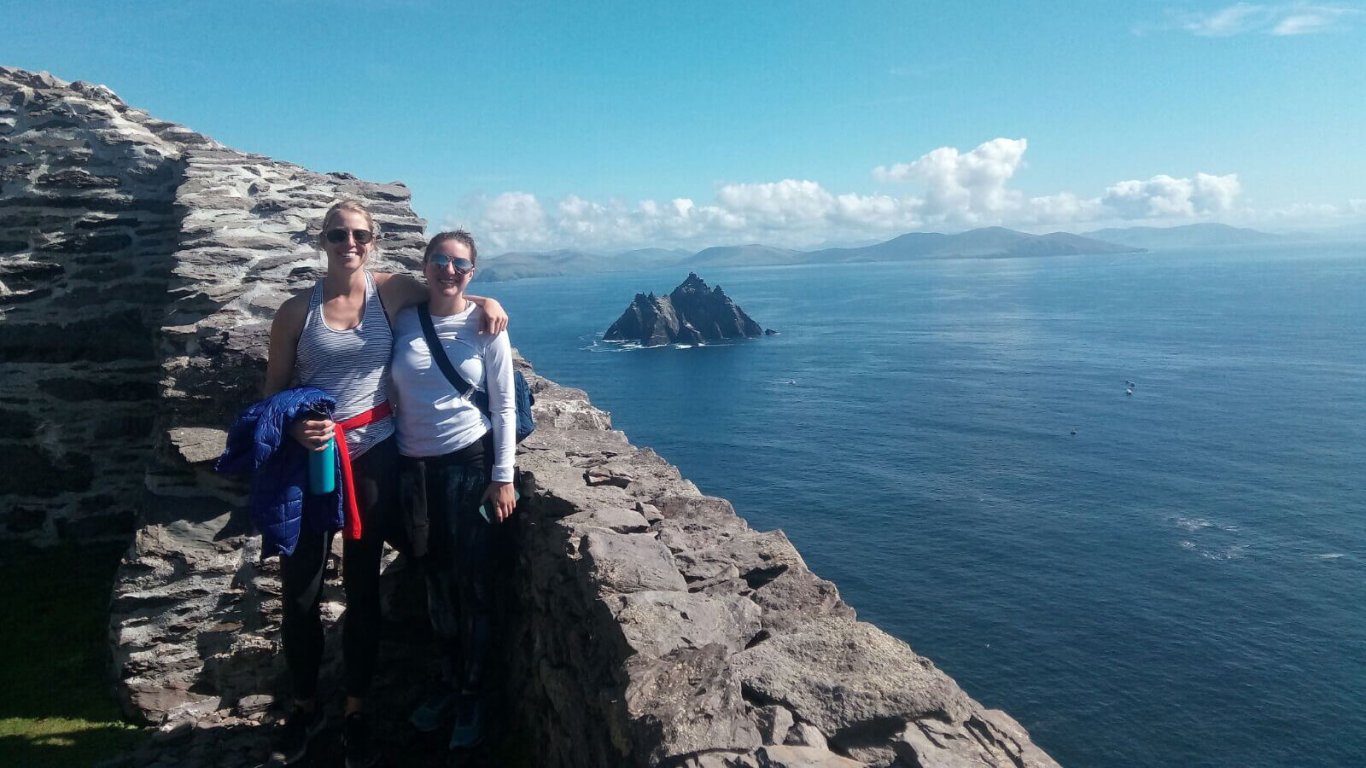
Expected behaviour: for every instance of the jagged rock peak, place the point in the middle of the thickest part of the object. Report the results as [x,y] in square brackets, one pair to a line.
[692,313]
[693,284]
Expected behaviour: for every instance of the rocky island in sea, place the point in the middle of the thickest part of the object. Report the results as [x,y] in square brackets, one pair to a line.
[691,314]
[649,624]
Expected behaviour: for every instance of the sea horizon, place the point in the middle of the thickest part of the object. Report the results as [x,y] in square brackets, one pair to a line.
[1111,496]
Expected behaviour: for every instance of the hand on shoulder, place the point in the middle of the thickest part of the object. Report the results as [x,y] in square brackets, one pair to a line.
[495,317]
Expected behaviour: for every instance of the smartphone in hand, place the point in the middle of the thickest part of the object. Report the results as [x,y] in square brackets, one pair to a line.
[486,510]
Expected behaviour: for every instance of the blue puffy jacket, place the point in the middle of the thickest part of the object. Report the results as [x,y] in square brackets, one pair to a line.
[280,502]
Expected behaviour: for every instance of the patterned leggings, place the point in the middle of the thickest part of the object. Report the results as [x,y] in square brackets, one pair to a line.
[459,562]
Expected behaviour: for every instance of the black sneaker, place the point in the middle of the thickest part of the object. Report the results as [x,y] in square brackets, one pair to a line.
[356,739]
[291,745]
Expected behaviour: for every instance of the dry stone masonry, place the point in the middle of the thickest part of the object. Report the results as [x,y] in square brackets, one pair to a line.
[88,230]
[648,624]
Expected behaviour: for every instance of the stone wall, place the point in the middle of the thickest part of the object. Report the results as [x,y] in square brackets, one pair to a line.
[192,621]
[88,228]
[658,628]
[126,244]
[648,624]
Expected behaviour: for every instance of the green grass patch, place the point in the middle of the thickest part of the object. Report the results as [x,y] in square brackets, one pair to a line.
[56,700]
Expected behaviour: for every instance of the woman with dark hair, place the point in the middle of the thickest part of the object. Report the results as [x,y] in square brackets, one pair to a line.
[337,338]
[457,467]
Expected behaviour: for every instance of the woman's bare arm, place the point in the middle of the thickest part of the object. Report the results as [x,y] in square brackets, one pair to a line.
[399,291]
[285,330]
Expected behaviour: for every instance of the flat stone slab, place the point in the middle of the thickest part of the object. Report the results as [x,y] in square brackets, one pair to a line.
[630,562]
[198,445]
[658,623]
[687,702]
[839,674]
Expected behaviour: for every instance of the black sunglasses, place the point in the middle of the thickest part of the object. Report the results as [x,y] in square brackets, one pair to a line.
[463,266]
[339,235]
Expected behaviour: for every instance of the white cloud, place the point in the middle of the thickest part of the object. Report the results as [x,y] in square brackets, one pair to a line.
[947,189]
[1310,20]
[514,216]
[1299,215]
[962,186]
[1215,194]
[1159,196]
[1233,20]
[787,203]
[1163,196]
[1281,19]
[875,212]
[1062,208]
[520,221]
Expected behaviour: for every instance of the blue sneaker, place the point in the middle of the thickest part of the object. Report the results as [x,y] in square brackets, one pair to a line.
[469,721]
[434,711]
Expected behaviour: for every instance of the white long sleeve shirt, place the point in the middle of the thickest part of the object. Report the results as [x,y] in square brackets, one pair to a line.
[433,418]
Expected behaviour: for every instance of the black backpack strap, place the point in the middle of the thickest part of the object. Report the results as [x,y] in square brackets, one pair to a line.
[438,352]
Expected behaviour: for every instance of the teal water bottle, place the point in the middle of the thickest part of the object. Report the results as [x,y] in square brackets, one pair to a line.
[322,469]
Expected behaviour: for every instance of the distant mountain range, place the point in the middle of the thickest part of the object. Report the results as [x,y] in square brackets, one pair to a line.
[1188,236]
[511,266]
[991,242]
[986,243]
[746,255]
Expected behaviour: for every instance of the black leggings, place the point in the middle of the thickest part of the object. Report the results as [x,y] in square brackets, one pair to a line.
[376,480]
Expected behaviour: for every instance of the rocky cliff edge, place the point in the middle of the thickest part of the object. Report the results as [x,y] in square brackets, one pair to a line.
[649,625]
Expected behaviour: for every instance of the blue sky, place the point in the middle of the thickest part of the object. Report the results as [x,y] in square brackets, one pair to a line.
[611,125]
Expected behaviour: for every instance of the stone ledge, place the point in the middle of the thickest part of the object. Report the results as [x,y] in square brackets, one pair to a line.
[725,648]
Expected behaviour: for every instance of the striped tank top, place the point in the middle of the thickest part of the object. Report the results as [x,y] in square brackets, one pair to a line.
[351,365]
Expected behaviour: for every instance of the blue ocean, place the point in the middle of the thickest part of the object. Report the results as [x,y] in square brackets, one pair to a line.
[1119,497]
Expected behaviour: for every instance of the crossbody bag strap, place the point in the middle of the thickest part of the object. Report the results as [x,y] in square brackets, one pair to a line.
[438,352]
